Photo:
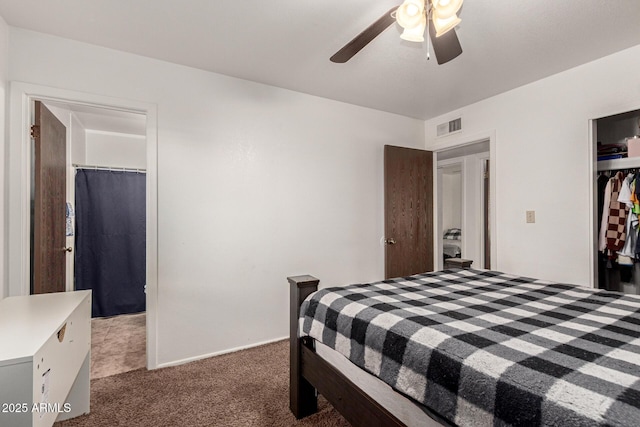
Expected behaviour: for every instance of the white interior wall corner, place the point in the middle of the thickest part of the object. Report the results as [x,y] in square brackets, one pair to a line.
[542,159]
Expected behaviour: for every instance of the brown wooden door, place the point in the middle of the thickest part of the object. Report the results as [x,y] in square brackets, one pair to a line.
[408,211]
[49,202]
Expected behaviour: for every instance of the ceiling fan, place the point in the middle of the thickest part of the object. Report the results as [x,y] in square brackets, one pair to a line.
[439,17]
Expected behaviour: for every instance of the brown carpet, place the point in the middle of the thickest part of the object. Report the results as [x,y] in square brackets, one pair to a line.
[246,388]
[118,344]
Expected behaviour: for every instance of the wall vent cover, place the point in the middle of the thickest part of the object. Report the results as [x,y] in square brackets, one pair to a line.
[449,127]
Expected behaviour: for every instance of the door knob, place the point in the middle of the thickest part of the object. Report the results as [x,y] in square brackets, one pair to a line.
[68,249]
[390,241]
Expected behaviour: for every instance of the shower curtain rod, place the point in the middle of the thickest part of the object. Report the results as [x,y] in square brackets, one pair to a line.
[109,168]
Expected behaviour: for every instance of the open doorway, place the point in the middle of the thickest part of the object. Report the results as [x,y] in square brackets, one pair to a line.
[450,208]
[105,226]
[463,204]
[19,157]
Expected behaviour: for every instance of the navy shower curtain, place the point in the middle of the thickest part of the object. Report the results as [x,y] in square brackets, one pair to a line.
[111,240]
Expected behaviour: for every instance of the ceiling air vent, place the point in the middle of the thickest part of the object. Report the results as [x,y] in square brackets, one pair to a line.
[449,127]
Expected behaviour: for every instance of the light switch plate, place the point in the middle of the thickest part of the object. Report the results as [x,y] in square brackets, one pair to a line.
[531,217]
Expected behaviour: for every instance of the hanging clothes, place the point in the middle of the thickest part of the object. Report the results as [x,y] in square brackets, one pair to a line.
[624,196]
[603,180]
[635,197]
[619,245]
[602,241]
[628,252]
[617,221]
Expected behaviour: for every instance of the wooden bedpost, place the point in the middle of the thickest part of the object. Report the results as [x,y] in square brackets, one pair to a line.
[302,395]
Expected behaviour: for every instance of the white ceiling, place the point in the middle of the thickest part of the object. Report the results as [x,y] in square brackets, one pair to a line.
[286,43]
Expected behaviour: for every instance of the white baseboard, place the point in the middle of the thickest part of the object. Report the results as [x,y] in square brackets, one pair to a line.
[218,353]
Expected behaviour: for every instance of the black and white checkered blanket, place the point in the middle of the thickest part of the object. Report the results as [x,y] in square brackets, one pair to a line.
[484,348]
[453,234]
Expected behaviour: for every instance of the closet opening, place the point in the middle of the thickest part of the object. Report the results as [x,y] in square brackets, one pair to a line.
[463,205]
[101,176]
[616,144]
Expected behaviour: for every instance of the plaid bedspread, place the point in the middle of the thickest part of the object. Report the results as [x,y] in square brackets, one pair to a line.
[484,348]
[453,234]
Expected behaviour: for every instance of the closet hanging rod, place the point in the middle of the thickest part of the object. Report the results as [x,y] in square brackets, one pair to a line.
[109,168]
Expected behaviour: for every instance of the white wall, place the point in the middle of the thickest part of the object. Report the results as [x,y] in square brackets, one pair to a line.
[78,141]
[4,62]
[473,210]
[112,149]
[543,158]
[255,183]
[451,200]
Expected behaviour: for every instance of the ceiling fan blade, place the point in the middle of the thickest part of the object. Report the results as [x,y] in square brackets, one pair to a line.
[363,39]
[446,47]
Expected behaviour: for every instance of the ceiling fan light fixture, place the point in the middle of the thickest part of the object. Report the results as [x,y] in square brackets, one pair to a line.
[411,14]
[443,25]
[415,34]
[445,48]
[446,8]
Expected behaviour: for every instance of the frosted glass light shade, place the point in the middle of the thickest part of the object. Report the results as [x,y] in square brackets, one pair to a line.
[442,25]
[415,34]
[447,8]
[410,14]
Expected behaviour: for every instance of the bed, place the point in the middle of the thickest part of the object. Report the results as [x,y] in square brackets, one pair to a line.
[469,347]
[450,250]
[451,242]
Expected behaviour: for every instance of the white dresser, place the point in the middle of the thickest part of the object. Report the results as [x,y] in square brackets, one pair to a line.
[45,358]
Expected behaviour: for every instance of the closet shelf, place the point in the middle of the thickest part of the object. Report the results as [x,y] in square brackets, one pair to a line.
[625,163]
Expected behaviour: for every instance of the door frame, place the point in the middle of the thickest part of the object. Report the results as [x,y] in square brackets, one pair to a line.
[19,184]
[481,158]
[457,141]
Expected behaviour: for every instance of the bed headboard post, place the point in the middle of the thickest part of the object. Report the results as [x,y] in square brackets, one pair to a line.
[302,395]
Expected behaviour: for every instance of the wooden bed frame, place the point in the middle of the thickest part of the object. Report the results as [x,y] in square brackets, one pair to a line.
[309,372]
[311,375]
